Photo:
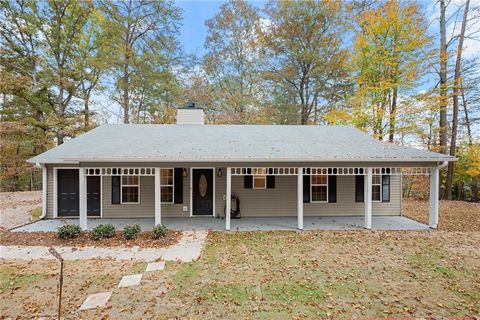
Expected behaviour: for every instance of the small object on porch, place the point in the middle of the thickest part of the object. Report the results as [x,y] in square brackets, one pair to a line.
[235,208]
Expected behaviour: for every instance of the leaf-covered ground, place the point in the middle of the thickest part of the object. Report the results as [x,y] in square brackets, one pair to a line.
[271,275]
[453,215]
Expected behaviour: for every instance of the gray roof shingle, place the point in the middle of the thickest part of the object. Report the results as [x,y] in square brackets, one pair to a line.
[223,143]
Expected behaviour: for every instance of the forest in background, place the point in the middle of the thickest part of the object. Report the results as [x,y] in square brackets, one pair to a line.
[384,67]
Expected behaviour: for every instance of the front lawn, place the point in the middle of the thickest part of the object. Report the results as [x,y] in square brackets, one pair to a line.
[271,275]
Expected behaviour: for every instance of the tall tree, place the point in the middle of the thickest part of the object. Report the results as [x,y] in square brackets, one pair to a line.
[233,58]
[142,36]
[456,93]
[443,79]
[390,55]
[304,44]
[62,26]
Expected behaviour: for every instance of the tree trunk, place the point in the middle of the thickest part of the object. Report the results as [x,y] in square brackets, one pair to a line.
[443,80]
[126,101]
[467,118]
[61,115]
[393,111]
[456,86]
[86,109]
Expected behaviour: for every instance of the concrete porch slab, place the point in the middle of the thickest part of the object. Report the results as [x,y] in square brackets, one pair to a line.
[243,224]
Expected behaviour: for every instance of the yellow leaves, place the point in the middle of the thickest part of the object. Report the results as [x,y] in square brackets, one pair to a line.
[473,161]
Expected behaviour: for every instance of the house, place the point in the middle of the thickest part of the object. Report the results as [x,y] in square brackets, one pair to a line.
[190,169]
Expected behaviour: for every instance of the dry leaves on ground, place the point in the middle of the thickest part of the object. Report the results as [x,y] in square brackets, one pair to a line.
[144,240]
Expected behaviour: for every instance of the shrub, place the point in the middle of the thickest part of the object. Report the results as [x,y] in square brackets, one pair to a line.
[131,232]
[159,231]
[69,231]
[102,231]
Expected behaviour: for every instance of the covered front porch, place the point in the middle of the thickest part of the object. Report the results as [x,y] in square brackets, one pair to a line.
[243,224]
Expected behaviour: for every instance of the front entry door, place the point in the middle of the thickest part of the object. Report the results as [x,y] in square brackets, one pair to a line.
[67,192]
[202,192]
[93,196]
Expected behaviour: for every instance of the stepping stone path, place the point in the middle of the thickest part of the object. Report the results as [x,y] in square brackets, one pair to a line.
[155,266]
[131,280]
[187,249]
[96,300]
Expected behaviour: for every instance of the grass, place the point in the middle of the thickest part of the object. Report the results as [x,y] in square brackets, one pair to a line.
[10,278]
[274,275]
[36,213]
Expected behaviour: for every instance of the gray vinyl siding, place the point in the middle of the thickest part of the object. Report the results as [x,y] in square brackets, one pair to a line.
[280,201]
[146,207]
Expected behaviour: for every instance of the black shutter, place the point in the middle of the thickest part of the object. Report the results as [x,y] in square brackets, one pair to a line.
[178,185]
[306,189]
[270,182]
[248,182]
[385,188]
[359,188]
[332,189]
[116,189]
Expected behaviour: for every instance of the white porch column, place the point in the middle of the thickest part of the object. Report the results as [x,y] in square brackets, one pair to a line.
[368,198]
[44,191]
[433,207]
[158,198]
[228,206]
[83,198]
[300,199]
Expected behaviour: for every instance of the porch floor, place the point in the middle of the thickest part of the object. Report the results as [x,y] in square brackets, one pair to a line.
[243,224]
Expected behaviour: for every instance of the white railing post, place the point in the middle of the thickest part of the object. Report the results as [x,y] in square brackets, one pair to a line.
[228,197]
[300,198]
[158,198]
[368,198]
[433,205]
[83,199]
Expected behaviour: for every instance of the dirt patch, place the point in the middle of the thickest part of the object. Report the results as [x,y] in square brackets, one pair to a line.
[16,208]
[453,215]
[144,240]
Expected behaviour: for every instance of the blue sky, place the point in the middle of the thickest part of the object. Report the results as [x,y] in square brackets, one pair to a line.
[195,13]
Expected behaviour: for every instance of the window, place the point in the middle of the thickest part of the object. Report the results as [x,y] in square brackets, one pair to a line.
[259,182]
[319,188]
[377,188]
[166,185]
[130,189]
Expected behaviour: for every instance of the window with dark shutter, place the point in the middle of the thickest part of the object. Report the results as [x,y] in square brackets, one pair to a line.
[359,188]
[248,182]
[306,189]
[115,189]
[385,188]
[332,189]
[270,182]
[178,185]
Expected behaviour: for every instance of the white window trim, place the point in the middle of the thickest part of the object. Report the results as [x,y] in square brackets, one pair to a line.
[265,180]
[168,185]
[129,185]
[378,184]
[317,185]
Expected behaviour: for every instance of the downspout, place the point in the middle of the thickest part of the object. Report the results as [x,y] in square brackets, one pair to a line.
[44,190]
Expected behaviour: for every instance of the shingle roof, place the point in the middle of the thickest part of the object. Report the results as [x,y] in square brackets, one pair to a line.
[223,143]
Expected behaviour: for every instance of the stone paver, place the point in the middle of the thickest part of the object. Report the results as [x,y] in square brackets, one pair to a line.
[155,266]
[130,280]
[96,300]
[188,248]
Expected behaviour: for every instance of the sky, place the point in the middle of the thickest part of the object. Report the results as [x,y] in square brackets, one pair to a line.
[196,12]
